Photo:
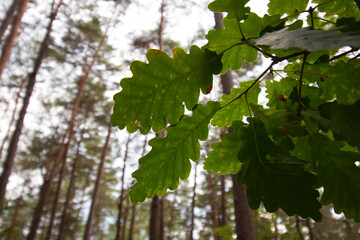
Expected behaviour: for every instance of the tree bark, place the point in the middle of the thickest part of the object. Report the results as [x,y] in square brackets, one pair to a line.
[132,222]
[9,161]
[214,218]
[154,219]
[97,185]
[193,202]
[224,217]
[10,40]
[122,191]
[58,189]
[48,183]
[244,225]
[13,116]
[15,216]
[8,18]
[70,188]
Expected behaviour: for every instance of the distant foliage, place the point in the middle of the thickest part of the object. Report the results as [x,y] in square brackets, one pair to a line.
[299,151]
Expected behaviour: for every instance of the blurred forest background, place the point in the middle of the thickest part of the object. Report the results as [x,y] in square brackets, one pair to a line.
[65,171]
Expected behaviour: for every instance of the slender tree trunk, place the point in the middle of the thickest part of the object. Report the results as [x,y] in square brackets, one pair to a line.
[70,188]
[298,227]
[77,218]
[244,225]
[308,224]
[132,222]
[13,116]
[171,222]
[15,216]
[162,217]
[48,183]
[154,219]
[224,217]
[97,185]
[58,189]
[133,214]
[126,214]
[122,191]
[9,161]
[193,202]
[10,40]
[214,218]
[8,18]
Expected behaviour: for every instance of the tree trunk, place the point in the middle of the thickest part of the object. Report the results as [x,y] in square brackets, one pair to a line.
[308,224]
[13,116]
[9,161]
[122,191]
[154,219]
[15,216]
[171,221]
[214,219]
[224,217]
[58,189]
[298,227]
[8,18]
[97,185]
[132,222]
[70,188]
[48,183]
[193,201]
[126,214]
[244,225]
[10,40]
[162,217]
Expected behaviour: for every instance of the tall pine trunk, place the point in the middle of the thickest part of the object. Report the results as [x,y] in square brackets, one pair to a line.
[244,225]
[9,161]
[8,18]
[70,187]
[193,202]
[214,215]
[224,218]
[122,191]
[97,185]
[58,189]
[10,40]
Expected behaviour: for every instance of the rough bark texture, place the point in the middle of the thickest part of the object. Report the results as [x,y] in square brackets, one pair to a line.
[9,161]
[10,40]
[97,185]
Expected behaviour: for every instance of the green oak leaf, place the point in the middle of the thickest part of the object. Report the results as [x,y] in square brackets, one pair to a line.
[168,160]
[343,8]
[235,8]
[236,110]
[337,173]
[341,81]
[156,91]
[223,158]
[289,7]
[342,120]
[278,92]
[230,42]
[274,178]
[279,123]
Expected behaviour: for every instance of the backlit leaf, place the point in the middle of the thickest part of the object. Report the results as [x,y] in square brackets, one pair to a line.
[235,8]
[157,90]
[289,7]
[236,110]
[168,160]
[274,178]
[223,158]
